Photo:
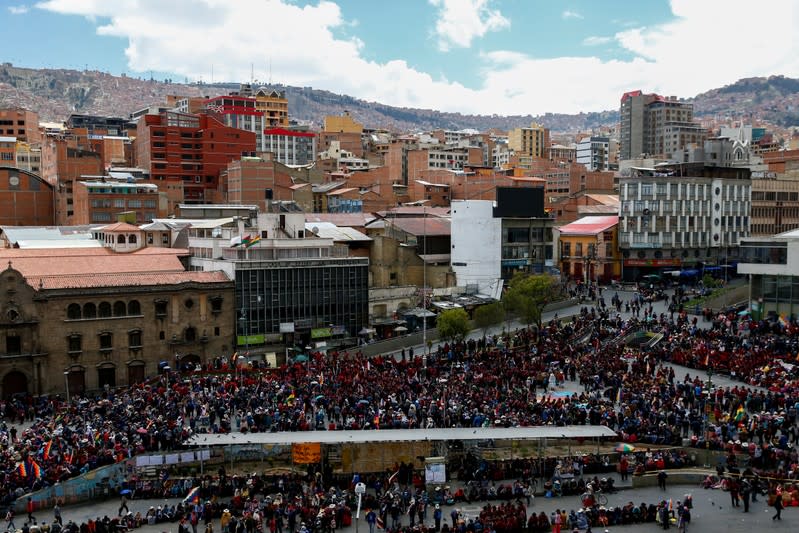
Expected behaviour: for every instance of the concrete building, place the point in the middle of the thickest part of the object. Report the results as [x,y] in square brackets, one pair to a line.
[25,198]
[772,264]
[532,142]
[108,200]
[588,249]
[290,147]
[655,125]
[240,112]
[90,318]
[594,153]
[682,215]
[476,256]
[290,284]
[190,149]
[492,241]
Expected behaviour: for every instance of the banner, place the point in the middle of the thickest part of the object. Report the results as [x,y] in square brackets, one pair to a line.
[308,453]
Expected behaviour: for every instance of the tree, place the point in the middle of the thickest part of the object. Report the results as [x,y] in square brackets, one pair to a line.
[489,315]
[527,295]
[453,324]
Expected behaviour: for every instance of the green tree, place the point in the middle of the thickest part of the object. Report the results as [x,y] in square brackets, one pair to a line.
[527,295]
[489,315]
[453,324]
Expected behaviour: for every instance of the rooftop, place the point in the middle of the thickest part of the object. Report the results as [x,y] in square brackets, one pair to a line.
[428,226]
[328,230]
[590,225]
[128,279]
[353,220]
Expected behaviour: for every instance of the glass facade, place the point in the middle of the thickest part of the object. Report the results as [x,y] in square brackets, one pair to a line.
[777,294]
[308,293]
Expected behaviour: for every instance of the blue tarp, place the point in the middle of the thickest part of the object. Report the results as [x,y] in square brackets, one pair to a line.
[689,273]
[713,269]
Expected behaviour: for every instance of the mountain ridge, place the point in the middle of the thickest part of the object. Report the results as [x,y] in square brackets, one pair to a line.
[56,93]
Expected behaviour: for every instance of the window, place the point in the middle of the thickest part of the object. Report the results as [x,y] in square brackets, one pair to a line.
[161,335]
[190,335]
[106,341]
[120,239]
[13,345]
[73,311]
[149,238]
[104,310]
[160,308]
[134,339]
[216,331]
[89,311]
[134,308]
[216,304]
[106,376]
[132,239]
[74,344]
[189,303]
[120,309]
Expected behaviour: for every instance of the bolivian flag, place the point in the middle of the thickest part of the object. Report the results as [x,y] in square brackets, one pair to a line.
[739,414]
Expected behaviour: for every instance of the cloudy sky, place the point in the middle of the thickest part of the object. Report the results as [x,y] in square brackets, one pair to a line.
[471,56]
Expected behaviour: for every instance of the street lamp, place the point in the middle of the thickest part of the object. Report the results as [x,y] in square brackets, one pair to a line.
[66,382]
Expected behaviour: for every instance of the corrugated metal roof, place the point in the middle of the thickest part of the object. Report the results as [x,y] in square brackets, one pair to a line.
[403,435]
[590,225]
[356,220]
[327,230]
[431,226]
[91,261]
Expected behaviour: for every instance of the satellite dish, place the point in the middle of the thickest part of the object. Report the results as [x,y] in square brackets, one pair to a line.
[315,230]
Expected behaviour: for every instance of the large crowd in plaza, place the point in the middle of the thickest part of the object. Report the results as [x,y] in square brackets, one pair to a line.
[505,380]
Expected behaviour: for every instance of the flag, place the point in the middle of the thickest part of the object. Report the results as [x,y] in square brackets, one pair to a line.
[235,241]
[253,241]
[47,447]
[393,477]
[783,322]
[739,414]
[671,504]
[707,359]
[618,396]
[245,240]
[35,470]
[380,523]
[193,496]
[21,470]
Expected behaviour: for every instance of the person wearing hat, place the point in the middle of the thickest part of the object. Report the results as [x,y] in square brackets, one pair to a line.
[224,521]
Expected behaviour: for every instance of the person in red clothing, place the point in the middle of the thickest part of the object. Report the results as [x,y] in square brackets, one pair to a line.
[29,507]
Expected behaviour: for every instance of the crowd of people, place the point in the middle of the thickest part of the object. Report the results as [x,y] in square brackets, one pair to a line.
[504,380]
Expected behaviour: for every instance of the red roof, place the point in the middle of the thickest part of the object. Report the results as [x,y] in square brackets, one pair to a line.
[591,225]
[120,227]
[91,261]
[432,226]
[288,133]
[138,279]
[630,94]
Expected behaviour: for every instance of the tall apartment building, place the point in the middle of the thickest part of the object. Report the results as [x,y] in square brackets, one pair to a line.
[594,153]
[192,149]
[239,112]
[655,125]
[345,130]
[289,146]
[683,215]
[532,142]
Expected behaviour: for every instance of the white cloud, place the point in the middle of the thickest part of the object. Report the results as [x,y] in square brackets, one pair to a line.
[461,21]
[569,14]
[708,44]
[18,10]
[596,40]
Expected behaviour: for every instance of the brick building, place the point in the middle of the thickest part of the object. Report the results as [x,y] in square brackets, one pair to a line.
[63,163]
[99,201]
[70,316]
[25,199]
[20,123]
[192,149]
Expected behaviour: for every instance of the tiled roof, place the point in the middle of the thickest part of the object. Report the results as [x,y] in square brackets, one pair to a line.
[90,261]
[127,279]
[120,226]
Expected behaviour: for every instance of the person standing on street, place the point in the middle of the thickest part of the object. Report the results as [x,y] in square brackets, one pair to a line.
[29,507]
[662,475]
[746,491]
[10,525]
[778,505]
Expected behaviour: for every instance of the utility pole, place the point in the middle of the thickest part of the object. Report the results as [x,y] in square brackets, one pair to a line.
[424,282]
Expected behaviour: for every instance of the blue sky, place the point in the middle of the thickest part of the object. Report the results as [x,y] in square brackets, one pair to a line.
[472,56]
